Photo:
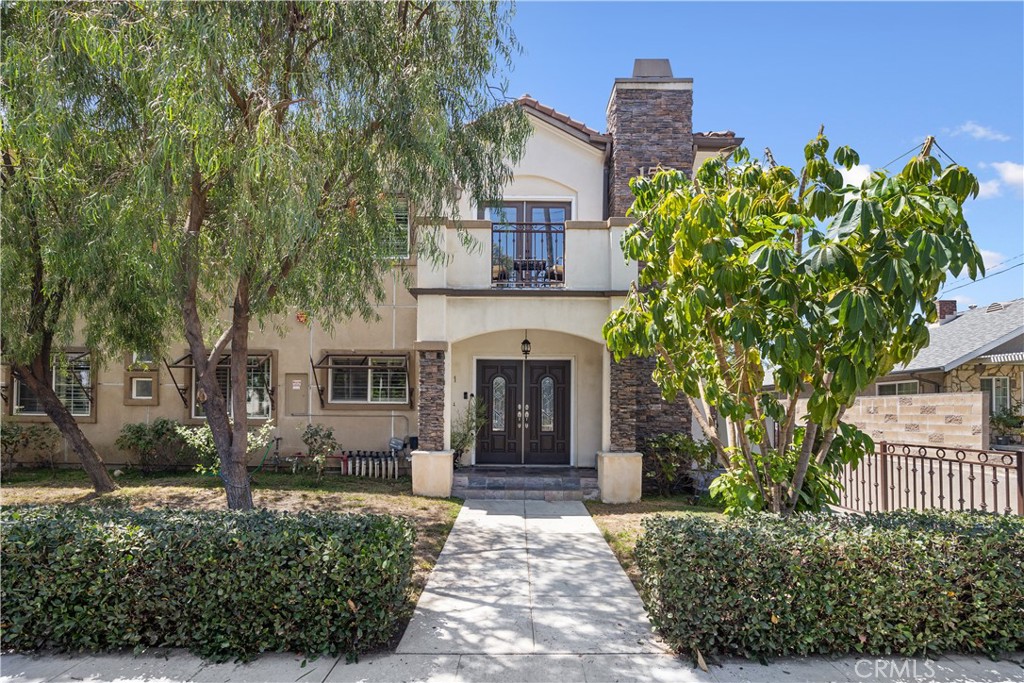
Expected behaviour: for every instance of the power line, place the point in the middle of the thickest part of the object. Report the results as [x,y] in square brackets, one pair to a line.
[945,153]
[918,146]
[1005,270]
[987,268]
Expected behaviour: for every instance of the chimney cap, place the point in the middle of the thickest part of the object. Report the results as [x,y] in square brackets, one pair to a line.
[652,68]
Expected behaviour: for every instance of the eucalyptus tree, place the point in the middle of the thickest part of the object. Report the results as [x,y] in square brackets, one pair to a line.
[73,269]
[751,266]
[279,137]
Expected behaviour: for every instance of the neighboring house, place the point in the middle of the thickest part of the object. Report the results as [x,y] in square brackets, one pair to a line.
[972,368]
[550,271]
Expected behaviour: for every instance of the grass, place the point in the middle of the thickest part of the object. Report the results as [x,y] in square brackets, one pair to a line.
[622,525]
[432,517]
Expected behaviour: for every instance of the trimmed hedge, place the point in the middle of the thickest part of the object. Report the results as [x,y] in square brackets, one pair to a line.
[222,584]
[901,583]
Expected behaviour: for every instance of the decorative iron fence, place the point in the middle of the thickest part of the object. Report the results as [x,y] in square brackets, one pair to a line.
[525,255]
[911,476]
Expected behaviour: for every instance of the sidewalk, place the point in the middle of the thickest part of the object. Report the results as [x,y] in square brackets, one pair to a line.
[523,591]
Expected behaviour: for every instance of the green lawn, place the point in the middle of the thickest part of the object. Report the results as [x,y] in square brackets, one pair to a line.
[623,524]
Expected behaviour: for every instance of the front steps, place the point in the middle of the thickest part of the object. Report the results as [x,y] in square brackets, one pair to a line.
[525,483]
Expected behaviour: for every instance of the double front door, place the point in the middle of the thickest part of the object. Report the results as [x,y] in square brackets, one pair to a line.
[527,406]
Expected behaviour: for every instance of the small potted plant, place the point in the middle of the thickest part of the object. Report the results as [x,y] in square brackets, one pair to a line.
[1005,424]
[466,426]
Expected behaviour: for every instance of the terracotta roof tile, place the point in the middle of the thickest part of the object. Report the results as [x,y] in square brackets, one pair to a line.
[532,103]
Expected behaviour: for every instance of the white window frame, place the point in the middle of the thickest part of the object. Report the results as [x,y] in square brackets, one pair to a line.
[54,373]
[1005,381]
[263,361]
[916,383]
[152,393]
[369,367]
[401,213]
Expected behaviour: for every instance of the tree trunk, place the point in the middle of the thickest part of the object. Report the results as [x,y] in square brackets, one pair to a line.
[234,469]
[38,380]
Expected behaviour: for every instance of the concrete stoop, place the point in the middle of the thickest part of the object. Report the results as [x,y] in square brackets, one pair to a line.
[525,483]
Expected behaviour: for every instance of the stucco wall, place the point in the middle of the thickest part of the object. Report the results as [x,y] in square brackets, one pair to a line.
[951,420]
[358,427]
[555,165]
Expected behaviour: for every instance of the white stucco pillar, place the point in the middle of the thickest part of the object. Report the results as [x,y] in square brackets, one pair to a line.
[449,362]
[606,399]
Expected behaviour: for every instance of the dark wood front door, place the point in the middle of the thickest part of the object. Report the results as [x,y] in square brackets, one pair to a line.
[546,428]
[525,424]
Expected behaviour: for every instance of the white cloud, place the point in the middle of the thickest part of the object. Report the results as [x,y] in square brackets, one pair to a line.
[991,258]
[979,132]
[856,175]
[1011,174]
[989,189]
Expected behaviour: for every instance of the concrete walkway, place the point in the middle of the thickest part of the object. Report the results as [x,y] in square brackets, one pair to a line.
[523,591]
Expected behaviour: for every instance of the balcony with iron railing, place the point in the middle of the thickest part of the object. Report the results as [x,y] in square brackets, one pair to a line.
[527,255]
[539,258]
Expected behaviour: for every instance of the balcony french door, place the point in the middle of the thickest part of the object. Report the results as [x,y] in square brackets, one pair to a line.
[528,243]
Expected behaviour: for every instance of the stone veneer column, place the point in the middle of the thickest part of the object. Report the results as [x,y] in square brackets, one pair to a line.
[638,412]
[431,400]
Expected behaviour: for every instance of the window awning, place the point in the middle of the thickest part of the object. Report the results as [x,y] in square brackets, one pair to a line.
[186,362]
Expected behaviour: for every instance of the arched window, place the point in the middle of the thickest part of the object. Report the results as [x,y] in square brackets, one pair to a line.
[498,404]
[547,405]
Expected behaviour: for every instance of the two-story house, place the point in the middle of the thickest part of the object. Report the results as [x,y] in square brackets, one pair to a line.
[547,272]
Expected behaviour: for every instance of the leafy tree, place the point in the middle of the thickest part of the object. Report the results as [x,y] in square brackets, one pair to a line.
[278,138]
[730,286]
[70,251]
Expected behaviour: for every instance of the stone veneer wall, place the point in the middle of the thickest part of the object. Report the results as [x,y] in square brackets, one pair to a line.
[649,128]
[431,400]
[951,420]
[638,411]
[967,377]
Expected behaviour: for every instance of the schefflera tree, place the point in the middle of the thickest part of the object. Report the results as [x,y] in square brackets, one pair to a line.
[278,138]
[751,266]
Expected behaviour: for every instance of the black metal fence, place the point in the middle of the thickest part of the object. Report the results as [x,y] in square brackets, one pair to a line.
[911,476]
[528,255]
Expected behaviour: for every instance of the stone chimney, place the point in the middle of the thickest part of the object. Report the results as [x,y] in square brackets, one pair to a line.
[650,121]
[947,309]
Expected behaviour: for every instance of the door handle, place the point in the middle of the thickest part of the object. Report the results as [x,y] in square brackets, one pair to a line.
[526,416]
[519,415]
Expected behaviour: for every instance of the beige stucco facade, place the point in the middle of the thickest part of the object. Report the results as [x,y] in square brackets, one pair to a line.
[449,305]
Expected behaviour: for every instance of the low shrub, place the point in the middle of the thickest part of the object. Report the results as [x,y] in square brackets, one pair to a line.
[671,461]
[157,445]
[320,443]
[199,439]
[222,584]
[19,441]
[899,583]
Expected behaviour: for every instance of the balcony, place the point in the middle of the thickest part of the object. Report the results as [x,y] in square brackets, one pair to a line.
[508,258]
[527,255]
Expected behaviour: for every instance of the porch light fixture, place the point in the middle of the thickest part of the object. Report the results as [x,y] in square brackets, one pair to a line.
[525,346]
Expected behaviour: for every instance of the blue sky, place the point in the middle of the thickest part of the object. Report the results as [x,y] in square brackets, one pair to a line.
[880,76]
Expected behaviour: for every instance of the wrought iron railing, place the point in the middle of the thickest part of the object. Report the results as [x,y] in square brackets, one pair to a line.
[528,255]
[911,476]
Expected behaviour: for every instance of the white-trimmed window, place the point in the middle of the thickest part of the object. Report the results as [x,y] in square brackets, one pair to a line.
[998,389]
[898,388]
[143,388]
[143,360]
[368,379]
[258,381]
[398,241]
[72,384]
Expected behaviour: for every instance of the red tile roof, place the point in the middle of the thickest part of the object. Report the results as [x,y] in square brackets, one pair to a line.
[531,103]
